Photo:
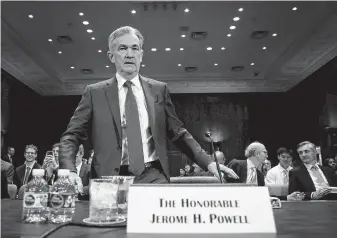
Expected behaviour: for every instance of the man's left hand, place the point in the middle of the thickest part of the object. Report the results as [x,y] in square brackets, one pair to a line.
[230,173]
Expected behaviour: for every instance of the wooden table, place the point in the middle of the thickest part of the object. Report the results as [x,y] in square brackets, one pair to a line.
[295,219]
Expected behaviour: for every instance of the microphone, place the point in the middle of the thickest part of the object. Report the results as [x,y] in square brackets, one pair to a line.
[209,135]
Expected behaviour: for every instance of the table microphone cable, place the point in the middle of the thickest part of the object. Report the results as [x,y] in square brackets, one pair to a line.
[78,224]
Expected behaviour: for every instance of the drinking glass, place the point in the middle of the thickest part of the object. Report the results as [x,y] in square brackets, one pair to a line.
[103,200]
[123,192]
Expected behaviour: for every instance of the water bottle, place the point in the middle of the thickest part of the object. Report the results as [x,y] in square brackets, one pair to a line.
[62,198]
[35,199]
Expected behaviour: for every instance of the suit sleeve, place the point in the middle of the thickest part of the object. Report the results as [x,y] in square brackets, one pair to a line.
[76,132]
[181,138]
[295,186]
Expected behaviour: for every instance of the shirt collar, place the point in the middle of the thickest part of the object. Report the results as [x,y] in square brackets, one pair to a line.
[121,81]
[283,169]
[309,166]
[31,165]
[250,164]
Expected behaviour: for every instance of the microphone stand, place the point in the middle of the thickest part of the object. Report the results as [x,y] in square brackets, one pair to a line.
[215,158]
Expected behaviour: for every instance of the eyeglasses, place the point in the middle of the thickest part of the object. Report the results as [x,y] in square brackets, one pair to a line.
[30,153]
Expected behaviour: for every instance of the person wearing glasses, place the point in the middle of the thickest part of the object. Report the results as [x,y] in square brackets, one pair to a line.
[247,170]
[23,173]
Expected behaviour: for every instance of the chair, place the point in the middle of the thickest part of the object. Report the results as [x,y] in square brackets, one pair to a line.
[12,190]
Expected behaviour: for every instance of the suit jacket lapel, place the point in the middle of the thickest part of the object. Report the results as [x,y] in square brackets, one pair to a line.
[151,98]
[244,171]
[83,168]
[111,93]
[306,178]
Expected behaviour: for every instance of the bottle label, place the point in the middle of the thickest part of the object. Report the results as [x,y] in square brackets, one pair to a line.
[62,200]
[35,200]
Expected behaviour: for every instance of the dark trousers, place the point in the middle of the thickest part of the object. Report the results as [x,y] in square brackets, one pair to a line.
[152,174]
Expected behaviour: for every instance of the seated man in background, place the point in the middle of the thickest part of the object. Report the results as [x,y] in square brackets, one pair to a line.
[330,162]
[311,178]
[51,164]
[279,175]
[23,173]
[83,170]
[247,170]
[265,167]
[199,171]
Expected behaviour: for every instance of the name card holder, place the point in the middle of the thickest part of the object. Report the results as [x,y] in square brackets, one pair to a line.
[200,209]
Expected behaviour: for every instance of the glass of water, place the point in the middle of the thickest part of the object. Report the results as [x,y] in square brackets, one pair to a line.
[103,200]
[123,192]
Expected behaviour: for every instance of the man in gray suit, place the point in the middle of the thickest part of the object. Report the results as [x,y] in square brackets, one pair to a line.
[128,118]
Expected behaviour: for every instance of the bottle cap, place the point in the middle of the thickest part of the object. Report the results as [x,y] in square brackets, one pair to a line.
[63,172]
[38,172]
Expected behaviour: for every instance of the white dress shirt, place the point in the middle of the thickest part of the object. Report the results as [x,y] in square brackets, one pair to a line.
[78,168]
[314,176]
[251,173]
[276,175]
[142,112]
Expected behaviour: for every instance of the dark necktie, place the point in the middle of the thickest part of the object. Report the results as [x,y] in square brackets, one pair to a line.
[25,180]
[133,133]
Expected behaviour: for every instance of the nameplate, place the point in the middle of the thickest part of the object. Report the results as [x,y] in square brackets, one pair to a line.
[199,209]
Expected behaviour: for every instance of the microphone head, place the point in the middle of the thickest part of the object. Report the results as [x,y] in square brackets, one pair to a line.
[208,133]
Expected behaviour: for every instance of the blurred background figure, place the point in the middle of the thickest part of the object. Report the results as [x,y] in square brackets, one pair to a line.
[330,162]
[182,173]
[92,153]
[189,170]
[265,167]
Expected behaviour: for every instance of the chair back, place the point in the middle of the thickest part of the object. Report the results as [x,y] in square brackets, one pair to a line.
[12,190]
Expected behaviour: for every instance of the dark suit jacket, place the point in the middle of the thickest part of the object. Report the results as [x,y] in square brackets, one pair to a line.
[98,117]
[14,161]
[20,174]
[300,180]
[240,168]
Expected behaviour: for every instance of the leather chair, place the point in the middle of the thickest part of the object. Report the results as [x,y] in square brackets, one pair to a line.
[12,190]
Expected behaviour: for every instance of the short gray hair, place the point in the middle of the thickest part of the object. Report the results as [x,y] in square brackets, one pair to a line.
[313,146]
[123,31]
[252,148]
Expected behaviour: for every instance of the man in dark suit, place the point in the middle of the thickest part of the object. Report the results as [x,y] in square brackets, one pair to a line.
[128,118]
[247,170]
[311,178]
[23,173]
[10,157]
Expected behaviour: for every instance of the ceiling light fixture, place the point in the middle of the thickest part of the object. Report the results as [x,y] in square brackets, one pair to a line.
[93,38]
[264,48]
[107,66]
[186,10]
[60,52]
[168,49]
[240,9]
[274,34]
[50,40]
[133,11]
[229,35]
[72,67]
[294,8]
[90,31]
[85,23]
[99,51]
[215,64]
[153,49]
[181,49]
[232,27]
[223,48]
[30,16]
[183,36]
[236,18]
[81,14]
[179,65]
[209,48]
[252,64]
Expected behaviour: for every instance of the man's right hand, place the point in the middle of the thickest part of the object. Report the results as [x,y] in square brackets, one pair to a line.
[49,162]
[76,181]
[320,193]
